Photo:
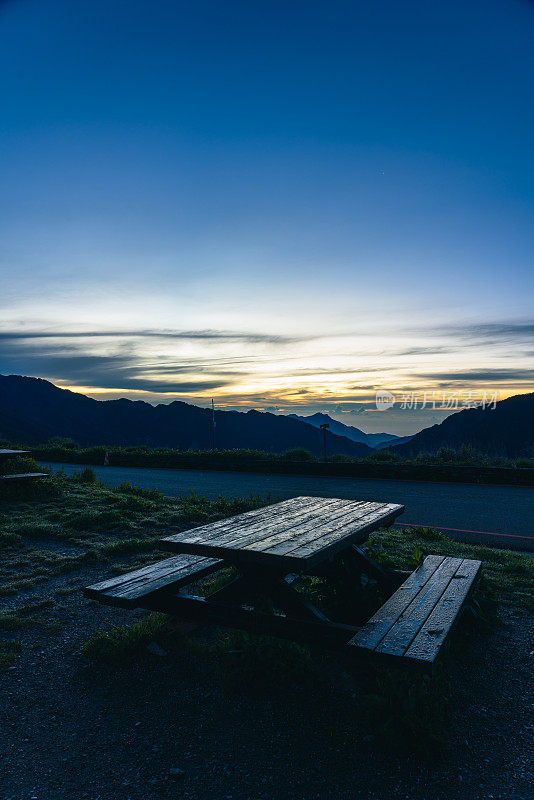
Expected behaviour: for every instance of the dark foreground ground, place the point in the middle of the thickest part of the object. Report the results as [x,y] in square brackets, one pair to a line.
[189,719]
[71,729]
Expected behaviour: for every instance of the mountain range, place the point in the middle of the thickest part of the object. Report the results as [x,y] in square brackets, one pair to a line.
[506,430]
[33,410]
[375,440]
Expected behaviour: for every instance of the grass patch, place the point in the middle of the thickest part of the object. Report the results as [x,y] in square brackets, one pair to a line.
[63,592]
[137,491]
[271,666]
[9,652]
[24,615]
[12,622]
[406,713]
[116,645]
[10,539]
[98,519]
[130,546]
[41,530]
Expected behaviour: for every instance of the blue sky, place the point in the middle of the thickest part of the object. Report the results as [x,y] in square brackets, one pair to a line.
[281,205]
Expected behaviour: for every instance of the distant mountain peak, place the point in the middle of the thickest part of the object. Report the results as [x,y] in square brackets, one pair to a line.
[34,410]
[374,440]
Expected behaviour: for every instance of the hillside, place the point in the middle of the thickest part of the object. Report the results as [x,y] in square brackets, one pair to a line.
[33,410]
[507,430]
[375,440]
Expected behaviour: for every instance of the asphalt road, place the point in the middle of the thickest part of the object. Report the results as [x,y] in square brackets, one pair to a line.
[498,516]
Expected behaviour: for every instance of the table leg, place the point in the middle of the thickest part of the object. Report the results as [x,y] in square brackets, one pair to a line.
[253,584]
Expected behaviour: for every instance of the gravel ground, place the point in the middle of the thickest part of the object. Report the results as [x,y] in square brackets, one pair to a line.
[154,728]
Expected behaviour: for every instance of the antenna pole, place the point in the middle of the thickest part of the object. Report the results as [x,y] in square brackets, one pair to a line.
[212,424]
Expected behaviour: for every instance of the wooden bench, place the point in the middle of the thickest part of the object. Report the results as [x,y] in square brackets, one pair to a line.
[132,589]
[414,623]
[24,476]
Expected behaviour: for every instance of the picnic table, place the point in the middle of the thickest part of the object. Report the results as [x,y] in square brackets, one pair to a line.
[272,546]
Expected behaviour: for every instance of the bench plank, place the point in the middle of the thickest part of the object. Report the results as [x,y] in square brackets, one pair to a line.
[24,476]
[403,632]
[380,623]
[126,591]
[431,637]
[415,622]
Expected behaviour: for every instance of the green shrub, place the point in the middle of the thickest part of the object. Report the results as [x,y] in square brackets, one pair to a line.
[86,475]
[297,454]
[63,442]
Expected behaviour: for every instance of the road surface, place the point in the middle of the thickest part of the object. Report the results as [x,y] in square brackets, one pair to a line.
[498,516]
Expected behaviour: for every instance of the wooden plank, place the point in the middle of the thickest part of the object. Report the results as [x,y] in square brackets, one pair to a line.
[370,635]
[280,527]
[24,476]
[292,537]
[430,639]
[310,528]
[240,521]
[126,591]
[402,633]
[360,535]
[328,533]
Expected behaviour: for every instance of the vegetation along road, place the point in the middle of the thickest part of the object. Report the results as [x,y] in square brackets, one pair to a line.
[498,516]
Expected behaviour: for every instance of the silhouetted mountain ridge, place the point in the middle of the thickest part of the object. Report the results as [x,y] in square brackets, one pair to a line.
[507,430]
[33,410]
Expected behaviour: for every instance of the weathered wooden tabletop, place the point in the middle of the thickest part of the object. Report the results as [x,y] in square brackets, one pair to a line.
[293,535]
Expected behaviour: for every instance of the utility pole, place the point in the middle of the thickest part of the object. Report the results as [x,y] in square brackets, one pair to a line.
[212,424]
[324,427]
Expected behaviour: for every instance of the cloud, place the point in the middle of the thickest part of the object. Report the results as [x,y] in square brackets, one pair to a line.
[204,335]
[123,370]
[425,351]
[490,331]
[480,376]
